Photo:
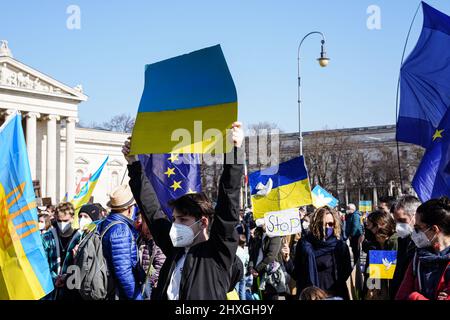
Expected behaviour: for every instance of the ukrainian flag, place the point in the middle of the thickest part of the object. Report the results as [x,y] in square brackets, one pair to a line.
[24,270]
[187,105]
[85,193]
[382,264]
[280,187]
[365,206]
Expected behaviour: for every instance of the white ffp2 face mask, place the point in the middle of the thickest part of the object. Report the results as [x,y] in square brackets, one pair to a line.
[182,235]
[84,222]
[65,228]
[420,239]
[403,229]
[41,226]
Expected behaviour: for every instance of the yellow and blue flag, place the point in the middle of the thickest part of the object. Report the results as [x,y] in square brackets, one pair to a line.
[24,270]
[187,105]
[382,264]
[172,176]
[425,81]
[85,193]
[280,187]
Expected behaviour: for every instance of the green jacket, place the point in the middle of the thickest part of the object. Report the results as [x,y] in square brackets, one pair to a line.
[58,265]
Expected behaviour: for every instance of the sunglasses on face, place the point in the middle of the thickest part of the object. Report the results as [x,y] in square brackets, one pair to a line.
[329,224]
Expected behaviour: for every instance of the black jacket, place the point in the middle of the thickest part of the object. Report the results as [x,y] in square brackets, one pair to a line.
[271,248]
[405,254]
[322,263]
[206,271]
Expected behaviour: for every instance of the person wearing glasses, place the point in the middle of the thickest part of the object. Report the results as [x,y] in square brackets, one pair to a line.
[322,258]
[428,274]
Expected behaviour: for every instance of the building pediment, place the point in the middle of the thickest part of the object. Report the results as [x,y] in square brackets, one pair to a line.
[115,163]
[82,161]
[17,76]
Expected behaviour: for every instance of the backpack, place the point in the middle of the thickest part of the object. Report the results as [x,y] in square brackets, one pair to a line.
[96,281]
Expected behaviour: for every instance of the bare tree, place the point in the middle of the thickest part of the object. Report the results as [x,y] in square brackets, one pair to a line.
[264,125]
[324,152]
[120,123]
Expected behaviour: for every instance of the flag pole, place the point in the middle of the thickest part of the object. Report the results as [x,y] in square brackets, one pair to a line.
[398,93]
[124,174]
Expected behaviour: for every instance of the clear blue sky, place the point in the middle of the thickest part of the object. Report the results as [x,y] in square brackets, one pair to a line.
[259,40]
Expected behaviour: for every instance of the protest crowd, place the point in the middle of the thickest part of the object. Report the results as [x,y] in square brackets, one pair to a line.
[160,237]
[222,252]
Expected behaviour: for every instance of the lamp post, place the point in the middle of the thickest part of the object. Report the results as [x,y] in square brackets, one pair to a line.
[323,62]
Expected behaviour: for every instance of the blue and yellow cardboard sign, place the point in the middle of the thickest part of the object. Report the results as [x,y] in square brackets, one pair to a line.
[365,206]
[382,264]
[188,104]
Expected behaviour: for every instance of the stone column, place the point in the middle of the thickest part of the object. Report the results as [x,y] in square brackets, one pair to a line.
[8,113]
[70,154]
[31,141]
[51,156]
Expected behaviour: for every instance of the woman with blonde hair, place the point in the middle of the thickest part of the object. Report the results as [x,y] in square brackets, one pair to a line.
[322,258]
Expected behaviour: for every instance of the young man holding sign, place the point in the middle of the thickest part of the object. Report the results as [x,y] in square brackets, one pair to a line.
[198,262]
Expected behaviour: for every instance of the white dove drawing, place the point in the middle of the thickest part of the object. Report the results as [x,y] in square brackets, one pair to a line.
[321,200]
[264,190]
[388,264]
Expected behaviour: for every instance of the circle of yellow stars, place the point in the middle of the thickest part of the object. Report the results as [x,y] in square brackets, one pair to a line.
[171,171]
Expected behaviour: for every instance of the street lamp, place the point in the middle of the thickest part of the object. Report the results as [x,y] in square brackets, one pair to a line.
[323,62]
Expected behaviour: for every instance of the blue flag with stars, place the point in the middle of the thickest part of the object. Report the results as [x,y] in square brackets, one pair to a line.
[432,178]
[425,81]
[172,176]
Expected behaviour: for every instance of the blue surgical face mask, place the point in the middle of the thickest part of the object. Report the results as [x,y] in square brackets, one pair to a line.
[329,231]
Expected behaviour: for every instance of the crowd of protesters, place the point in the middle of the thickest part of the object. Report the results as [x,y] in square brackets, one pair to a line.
[222,252]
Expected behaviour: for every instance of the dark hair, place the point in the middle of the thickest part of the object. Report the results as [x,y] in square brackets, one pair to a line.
[103,211]
[388,200]
[194,204]
[384,221]
[436,212]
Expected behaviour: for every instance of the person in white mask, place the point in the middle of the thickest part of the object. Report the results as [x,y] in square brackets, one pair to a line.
[201,241]
[44,222]
[404,212]
[428,274]
[58,243]
[88,214]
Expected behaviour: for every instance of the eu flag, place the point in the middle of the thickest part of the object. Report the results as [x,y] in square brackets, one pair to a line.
[172,176]
[24,270]
[425,81]
[432,178]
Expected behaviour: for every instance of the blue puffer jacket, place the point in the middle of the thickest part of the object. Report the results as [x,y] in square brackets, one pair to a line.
[120,250]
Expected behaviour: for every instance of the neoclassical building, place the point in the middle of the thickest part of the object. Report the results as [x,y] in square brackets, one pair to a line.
[61,155]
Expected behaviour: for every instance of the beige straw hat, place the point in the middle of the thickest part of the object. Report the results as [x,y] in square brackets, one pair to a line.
[121,198]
